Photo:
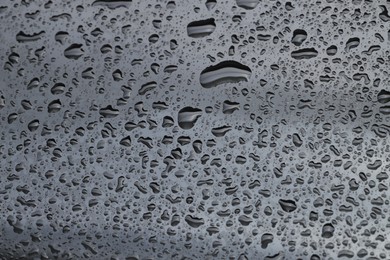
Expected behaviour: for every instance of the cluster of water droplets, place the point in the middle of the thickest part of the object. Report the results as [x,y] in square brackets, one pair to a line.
[207,129]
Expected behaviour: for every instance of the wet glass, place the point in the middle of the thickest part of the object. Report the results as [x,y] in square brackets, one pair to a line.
[206,129]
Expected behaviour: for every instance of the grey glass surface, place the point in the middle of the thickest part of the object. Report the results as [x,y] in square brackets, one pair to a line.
[240,129]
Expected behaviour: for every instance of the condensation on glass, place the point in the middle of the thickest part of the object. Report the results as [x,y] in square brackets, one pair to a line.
[206,129]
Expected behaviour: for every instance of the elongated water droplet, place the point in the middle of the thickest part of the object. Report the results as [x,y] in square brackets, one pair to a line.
[201,28]
[74,51]
[188,116]
[224,72]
